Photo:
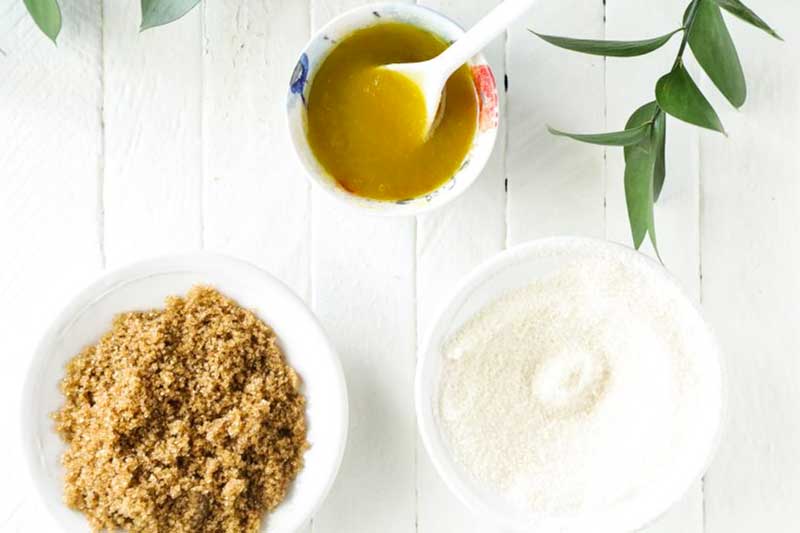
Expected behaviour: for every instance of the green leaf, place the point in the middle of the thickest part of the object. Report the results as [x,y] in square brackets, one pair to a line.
[713,47]
[47,16]
[640,163]
[159,12]
[738,9]
[678,95]
[660,139]
[642,116]
[617,138]
[609,48]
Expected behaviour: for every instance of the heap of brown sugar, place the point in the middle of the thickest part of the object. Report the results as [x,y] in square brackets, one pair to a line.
[186,419]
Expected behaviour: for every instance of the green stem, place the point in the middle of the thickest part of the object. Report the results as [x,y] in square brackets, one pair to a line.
[691,14]
[687,30]
[656,114]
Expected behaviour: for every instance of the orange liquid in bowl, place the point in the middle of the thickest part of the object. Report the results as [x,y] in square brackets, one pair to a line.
[366,124]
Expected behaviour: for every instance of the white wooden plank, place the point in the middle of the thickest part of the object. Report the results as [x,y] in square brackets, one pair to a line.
[363,291]
[450,242]
[554,187]
[256,197]
[630,82]
[153,164]
[49,170]
[750,260]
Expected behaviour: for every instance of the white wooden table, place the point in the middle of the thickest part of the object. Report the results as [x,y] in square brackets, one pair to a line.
[115,146]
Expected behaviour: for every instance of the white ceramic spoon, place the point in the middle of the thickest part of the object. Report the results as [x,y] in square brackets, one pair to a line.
[430,76]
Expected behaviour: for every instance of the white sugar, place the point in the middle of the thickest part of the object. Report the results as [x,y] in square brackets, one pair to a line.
[587,389]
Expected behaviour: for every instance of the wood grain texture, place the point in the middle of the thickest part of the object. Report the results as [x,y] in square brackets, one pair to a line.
[153,149]
[50,160]
[751,286]
[450,243]
[256,197]
[363,290]
[193,149]
[363,293]
[256,200]
[555,187]
[630,82]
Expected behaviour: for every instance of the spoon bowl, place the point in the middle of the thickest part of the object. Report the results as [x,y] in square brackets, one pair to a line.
[430,81]
[431,76]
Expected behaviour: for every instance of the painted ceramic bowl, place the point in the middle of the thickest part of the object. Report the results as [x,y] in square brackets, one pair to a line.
[315,53]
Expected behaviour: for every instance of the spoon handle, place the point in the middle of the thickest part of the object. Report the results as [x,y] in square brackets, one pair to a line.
[481,34]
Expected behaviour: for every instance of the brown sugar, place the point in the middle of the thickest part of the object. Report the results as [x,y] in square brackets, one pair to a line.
[186,419]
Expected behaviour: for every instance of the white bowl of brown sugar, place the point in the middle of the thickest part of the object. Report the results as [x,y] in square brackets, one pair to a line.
[187,393]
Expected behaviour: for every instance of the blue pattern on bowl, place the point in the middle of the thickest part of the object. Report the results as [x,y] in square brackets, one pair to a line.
[300,77]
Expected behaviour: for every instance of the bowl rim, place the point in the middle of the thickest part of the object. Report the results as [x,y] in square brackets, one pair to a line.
[112,280]
[484,142]
[427,427]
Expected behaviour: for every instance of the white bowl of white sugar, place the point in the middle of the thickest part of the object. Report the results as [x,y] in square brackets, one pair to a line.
[570,385]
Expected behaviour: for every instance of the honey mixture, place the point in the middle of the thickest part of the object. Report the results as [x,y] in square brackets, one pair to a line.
[366,124]
[186,419]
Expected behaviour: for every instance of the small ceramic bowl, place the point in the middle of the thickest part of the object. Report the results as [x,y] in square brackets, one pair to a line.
[315,53]
[516,268]
[144,286]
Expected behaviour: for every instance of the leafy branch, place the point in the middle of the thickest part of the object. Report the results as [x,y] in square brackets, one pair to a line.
[47,13]
[676,94]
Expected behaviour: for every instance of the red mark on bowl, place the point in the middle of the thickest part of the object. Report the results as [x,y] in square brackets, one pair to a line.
[487,96]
